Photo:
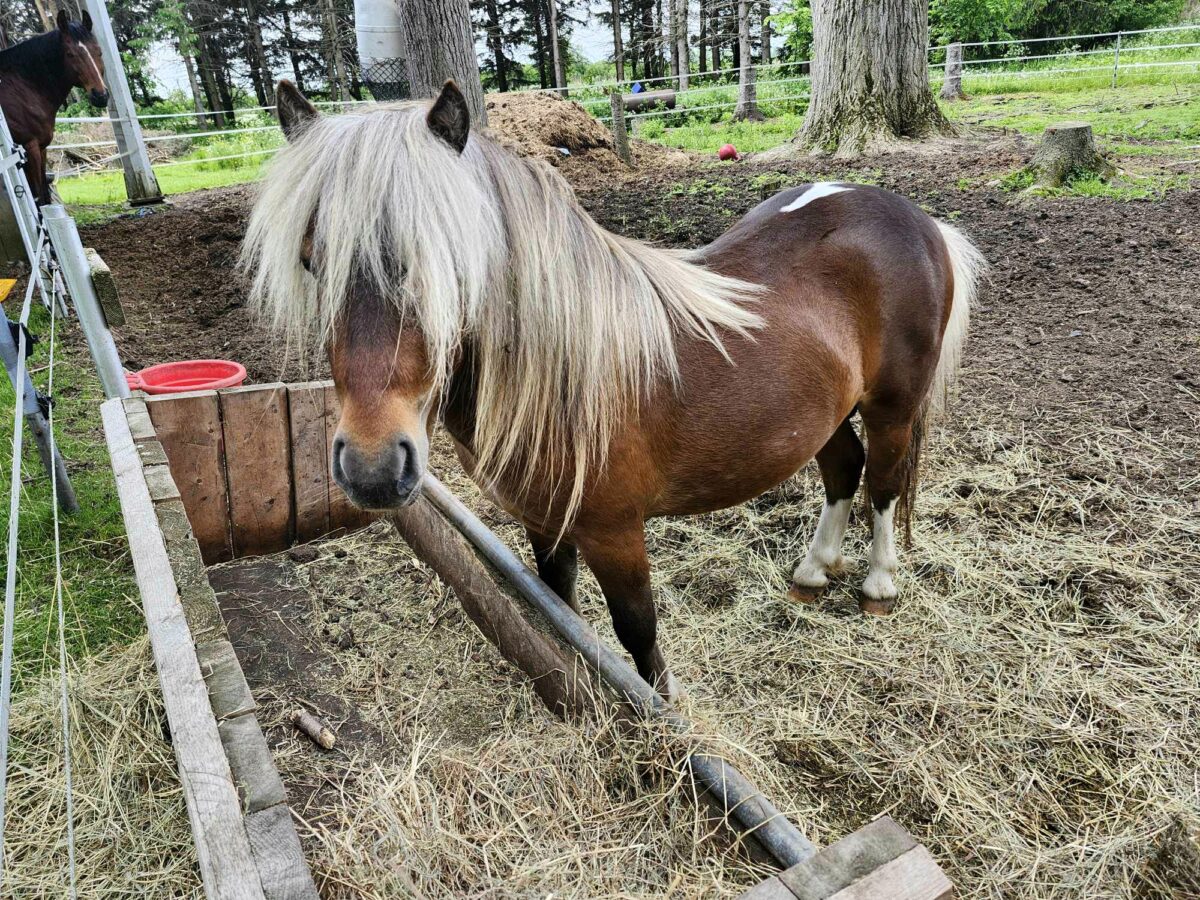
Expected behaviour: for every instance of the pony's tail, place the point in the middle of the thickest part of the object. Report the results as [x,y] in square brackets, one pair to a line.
[967,266]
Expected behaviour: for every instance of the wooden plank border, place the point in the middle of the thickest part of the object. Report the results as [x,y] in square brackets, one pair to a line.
[246,842]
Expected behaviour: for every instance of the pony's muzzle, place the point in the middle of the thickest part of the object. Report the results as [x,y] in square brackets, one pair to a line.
[98,98]
[387,479]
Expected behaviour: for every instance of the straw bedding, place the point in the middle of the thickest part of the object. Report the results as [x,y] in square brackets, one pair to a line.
[1029,712]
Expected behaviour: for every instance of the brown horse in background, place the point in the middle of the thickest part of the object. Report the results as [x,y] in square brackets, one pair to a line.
[590,381]
[36,76]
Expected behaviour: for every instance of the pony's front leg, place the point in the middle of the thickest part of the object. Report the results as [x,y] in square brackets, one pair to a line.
[557,565]
[35,172]
[618,560]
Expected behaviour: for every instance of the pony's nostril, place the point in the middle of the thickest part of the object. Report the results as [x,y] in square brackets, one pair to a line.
[335,459]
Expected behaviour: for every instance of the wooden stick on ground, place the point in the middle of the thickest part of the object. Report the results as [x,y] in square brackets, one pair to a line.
[314,728]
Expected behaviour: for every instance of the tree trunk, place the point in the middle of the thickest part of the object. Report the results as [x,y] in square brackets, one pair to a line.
[714,33]
[289,38]
[560,75]
[496,42]
[673,36]
[869,80]
[747,104]
[539,44]
[194,84]
[681,41]
[647,39]
[260,69]
[441,46]
[212,94]
[703,36]
[766,32]
[45,14]
[339,87]
[618,49]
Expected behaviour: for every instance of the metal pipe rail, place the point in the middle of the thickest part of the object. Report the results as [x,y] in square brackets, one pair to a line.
[742,802]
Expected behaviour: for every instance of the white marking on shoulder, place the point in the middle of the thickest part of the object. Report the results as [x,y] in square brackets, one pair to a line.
[816,192]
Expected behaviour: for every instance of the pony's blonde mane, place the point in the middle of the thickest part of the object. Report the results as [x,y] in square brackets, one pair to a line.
[570,325]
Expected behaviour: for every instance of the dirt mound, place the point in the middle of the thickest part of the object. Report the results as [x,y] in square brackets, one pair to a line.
[543,125]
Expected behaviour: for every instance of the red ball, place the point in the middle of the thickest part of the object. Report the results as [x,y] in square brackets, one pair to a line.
[728,152]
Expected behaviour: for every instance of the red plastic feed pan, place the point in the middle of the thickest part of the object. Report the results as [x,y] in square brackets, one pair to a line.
[188,375]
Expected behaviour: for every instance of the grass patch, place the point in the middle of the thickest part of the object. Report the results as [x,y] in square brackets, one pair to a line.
[708,137]
[1123,188]
[101,597]
[1153,112]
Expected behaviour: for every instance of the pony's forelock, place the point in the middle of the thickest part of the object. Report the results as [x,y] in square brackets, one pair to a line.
[570,325]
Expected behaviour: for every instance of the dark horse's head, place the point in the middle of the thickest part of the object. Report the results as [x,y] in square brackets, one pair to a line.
[83,66]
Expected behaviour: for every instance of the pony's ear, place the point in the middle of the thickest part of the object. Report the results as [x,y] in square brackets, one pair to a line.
[295,112]
[449,118]
[86,20]
[64,22]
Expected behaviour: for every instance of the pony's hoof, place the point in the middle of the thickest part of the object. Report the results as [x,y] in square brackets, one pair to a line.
[800,594]
[873,607]
[670,689]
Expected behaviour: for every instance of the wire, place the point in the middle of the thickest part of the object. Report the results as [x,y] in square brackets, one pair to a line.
[14,502]
[58,598]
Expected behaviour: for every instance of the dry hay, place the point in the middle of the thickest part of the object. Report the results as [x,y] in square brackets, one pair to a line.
[1029,712]
[541,124]
[131,832]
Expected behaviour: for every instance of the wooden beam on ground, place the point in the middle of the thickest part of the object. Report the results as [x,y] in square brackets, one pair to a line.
[223,849]
[880,861]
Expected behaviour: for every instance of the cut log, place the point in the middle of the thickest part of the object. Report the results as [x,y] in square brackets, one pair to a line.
[952,84]
[1068,149]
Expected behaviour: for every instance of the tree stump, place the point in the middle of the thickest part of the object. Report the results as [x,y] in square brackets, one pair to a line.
[952,83]
[1068,149]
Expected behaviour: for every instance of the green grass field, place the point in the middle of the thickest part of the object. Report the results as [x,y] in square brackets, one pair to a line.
[101,599]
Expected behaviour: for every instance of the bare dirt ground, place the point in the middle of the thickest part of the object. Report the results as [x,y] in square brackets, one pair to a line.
[1029,712]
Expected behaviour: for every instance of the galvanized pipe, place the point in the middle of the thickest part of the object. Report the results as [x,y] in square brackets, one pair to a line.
[68,249]
[742,801]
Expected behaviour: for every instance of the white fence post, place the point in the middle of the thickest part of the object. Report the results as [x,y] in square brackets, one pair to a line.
[1117,60]
[141,185]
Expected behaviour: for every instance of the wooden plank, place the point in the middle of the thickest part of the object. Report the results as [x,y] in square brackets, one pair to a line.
[228,692]
[310,459]
[250,760]
[189,428]
[285,874]
[771,889]
[222,846]
[851,858]
[342,513]
[912,876]
[257,467]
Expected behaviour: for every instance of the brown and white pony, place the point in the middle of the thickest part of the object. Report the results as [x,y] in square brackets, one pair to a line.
[590,381]
[36,76]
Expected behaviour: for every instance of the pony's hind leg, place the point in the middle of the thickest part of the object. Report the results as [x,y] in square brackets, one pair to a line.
[889,463]
[841,464]
[557,565]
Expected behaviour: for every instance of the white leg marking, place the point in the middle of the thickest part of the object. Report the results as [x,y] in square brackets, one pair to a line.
[879,584]
[816,192]
[825,553]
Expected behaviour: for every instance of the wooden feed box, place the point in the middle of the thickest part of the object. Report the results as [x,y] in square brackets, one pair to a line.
[205,477]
